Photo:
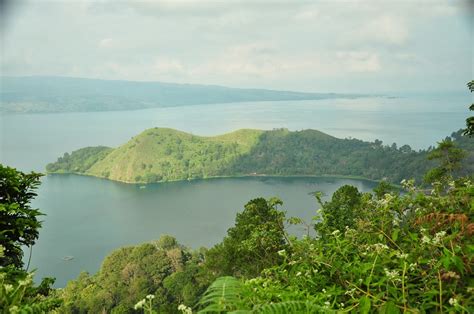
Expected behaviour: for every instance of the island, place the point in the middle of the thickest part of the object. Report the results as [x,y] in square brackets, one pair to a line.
[163,154]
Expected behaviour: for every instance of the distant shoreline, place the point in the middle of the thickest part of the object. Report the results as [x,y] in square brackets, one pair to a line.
[221,177]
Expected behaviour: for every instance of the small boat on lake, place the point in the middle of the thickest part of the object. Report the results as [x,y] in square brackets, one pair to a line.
[68,258]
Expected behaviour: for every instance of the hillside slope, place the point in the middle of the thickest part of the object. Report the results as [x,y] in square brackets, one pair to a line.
[159,155]
[166,154]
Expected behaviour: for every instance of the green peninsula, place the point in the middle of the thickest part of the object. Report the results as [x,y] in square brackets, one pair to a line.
[161,154]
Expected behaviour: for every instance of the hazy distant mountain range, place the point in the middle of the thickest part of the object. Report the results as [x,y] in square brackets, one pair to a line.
[36,94]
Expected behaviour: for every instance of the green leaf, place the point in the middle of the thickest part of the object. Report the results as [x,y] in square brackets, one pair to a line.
[389,308]
[364,305]
[395,234]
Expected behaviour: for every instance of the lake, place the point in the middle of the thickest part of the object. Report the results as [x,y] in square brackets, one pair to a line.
[88,217]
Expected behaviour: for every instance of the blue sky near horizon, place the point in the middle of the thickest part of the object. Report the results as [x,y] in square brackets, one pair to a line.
[364,46]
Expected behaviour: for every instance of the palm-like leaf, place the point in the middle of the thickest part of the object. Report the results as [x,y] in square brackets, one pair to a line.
[291,307]
[223,295]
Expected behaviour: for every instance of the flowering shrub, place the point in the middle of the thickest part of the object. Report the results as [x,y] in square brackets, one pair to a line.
[401,253]
[18,295]
[146,304]
[411,252]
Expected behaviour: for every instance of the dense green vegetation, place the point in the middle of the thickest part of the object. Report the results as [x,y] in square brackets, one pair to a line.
[19,226]
[162,268]
[79,161]
[37,94]
[411,253]
[469,130]
[159,155]
[393,253]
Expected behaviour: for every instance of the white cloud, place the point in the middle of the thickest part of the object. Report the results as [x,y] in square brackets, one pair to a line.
[386,29]
[310,13]
[357,61]
[166,66]
[245,59]
[312,45]
[106,43]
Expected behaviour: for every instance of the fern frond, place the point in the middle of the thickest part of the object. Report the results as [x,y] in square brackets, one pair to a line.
[291,307]
[223,295]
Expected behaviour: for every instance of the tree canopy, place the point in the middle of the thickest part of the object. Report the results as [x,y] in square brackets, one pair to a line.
[19,224]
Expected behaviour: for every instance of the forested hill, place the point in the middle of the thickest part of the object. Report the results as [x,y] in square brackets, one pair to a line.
[159,155]
[67,94]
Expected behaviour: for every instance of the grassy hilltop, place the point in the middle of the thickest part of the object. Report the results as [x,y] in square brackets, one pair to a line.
[160,154]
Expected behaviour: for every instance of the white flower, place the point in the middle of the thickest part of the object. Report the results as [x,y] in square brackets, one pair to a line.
[183,308]
[401,255]
[378,247]
[324,290]
[396,221]
[23,282]
[438,238]
[282,252]
[453,302]
[28,280]
[349,231]
[426,239]
[408,184]
[342,304]
[391,274]
[8,288]
[150,297]
[139,305]
[336,233]
[350,292]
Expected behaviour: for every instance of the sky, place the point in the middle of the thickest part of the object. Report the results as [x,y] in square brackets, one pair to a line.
[364,46]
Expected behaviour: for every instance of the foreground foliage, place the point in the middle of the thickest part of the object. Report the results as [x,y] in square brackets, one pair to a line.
[18,294]
[403,253]
[469,130]
[392,253]
[253,243]
[163,269]
[19,225]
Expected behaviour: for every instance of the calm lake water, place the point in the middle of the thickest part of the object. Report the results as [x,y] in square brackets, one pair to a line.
[88,217]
